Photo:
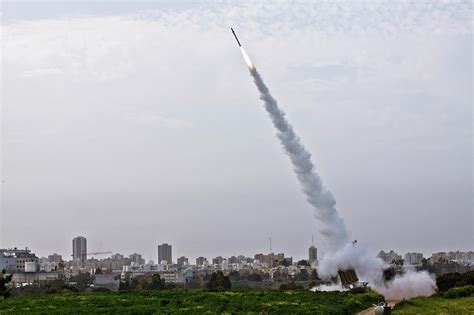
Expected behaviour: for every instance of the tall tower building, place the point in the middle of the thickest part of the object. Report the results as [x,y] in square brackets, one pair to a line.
[164,253]
[79,248]
[313,254]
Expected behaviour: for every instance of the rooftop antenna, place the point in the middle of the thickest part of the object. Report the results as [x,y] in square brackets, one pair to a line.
[312,240]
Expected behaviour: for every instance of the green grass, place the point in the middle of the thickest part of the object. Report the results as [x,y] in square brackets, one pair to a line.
[192,302]
[454,301]
[436,305]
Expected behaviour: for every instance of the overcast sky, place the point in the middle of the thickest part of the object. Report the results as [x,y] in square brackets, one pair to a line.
[134,124]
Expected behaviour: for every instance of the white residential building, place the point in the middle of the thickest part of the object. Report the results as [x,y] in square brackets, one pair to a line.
[389,257]
[413,258]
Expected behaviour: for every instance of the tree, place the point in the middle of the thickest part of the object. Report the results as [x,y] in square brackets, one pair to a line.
[218,282]
[234,275]
[447,281]
[156,282]
[4,280]
[266,276]
[278,275]
[303,262]
[83,280]
[303,275]
[285,262]
[467,278]
[139,283]
[98,271]
[290,286]
[314,275]
[125,284]
[255,277]
[389,273]
[195,283]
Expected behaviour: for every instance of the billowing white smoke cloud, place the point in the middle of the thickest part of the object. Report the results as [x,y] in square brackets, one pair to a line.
[370,269]
[333,227]
[409,285]
[343,255]
[367,267]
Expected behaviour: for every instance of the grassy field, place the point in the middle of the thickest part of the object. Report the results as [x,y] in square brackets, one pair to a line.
[436,305]
[192,302]
[455,301]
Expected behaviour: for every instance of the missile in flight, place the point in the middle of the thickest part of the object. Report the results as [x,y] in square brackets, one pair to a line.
[235,37]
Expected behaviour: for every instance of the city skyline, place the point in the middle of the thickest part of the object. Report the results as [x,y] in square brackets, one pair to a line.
[228,252]
[136,259]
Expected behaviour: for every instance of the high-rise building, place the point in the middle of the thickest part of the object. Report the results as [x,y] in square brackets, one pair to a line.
[272,259]
[437,257]
[217,260]
[136,259]
[55,258]
[313,254]
[164,253]
[200,261]
[183,261]
[413,258]
[390,257]
[233,260]
[79,248]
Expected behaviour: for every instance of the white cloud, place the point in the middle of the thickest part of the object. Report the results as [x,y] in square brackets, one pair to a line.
[41,72]
[156,119]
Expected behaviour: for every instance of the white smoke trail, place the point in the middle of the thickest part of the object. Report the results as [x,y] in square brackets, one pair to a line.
[343,255]
[333,227]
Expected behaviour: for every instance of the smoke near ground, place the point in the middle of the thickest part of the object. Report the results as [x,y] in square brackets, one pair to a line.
[333,227]
[367,266]
[408,285]
[370,269]
[343,254]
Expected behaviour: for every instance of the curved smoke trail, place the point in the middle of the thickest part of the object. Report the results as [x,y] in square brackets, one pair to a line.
[333,227]
[343,255]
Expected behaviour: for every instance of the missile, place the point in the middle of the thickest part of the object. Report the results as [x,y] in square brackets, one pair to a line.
[235,37]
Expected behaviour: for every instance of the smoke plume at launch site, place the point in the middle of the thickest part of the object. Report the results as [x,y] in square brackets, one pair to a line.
[343,255]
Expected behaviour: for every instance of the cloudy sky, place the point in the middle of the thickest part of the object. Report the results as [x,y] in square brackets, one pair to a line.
[137,123]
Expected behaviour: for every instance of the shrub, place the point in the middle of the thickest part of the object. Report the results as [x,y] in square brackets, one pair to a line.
[458,292]
[404,302]
[219,282]
[455,279]
[52,291]
[241,286]
[467,278]
[358,290]
[101,289]
[4,280]
[290,286]
[156,282]
[389,273]
[447,281]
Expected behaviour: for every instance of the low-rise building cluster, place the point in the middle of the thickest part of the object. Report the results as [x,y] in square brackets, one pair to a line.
[108,272]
